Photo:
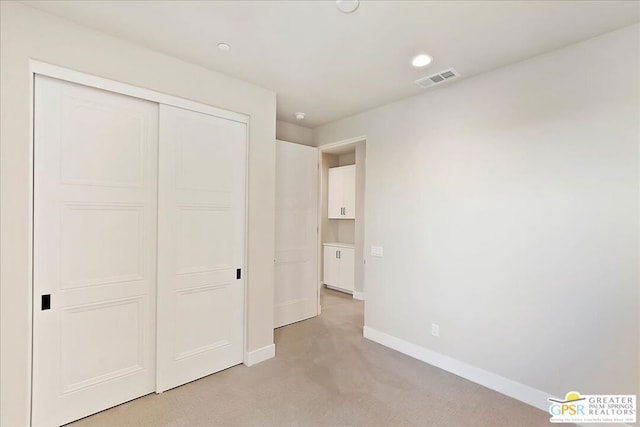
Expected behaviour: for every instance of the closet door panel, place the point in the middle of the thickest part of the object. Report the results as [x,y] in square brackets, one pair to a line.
[95,184]
[201,238]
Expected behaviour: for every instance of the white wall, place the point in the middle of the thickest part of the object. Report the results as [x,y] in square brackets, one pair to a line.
[293,133]
[27,33]
[347,158]
[507,206]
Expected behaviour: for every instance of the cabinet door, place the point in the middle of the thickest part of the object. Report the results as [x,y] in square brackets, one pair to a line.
[347,269]
[331,266]
[348,178]
[334,193]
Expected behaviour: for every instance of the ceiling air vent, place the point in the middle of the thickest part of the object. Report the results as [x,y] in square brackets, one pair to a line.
[437,78]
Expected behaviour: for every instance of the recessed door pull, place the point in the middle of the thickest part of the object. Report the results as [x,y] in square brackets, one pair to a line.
[238,274]
[46,302]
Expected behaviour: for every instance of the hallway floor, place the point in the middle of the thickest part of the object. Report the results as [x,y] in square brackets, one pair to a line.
[326,374]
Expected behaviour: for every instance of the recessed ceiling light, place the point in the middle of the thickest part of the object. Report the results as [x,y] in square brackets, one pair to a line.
[300,116]
[421,60]
[224,47]
[347,6]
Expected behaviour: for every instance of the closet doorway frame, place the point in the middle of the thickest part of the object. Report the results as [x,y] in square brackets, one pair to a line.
[89,80]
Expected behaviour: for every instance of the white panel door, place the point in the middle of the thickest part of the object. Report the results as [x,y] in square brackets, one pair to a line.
[201,237]
[95,164]
[296,239]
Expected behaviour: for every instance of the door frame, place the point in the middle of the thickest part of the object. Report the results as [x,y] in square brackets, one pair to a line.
[321,150]
[89,80]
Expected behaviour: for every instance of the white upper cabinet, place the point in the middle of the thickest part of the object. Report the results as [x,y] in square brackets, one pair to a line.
[342,192]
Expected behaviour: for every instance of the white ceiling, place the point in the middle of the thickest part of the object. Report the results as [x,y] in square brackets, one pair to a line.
[331,65]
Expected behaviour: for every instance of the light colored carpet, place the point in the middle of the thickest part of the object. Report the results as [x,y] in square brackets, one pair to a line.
[326,374]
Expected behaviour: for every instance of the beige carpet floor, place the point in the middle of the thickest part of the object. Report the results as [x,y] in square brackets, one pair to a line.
[326,374]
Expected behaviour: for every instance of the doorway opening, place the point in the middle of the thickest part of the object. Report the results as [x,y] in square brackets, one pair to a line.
[341,218]
[319,244]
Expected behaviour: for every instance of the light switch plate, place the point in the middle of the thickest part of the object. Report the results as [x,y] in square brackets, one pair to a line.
[376,251]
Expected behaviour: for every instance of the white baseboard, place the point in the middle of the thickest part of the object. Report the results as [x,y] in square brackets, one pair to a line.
[488,379]
[335,288]
[358,295]
[260,355]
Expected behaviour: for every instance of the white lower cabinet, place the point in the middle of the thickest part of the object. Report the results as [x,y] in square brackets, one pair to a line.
[339,266]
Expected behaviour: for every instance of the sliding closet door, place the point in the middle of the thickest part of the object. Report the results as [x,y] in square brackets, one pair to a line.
[95,164]
[201,236]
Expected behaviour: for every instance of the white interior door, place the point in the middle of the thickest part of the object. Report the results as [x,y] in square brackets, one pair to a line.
[95,163]
[201,237]
[296,239]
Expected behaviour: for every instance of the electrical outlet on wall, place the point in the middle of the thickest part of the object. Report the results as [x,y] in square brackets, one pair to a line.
[435,330]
